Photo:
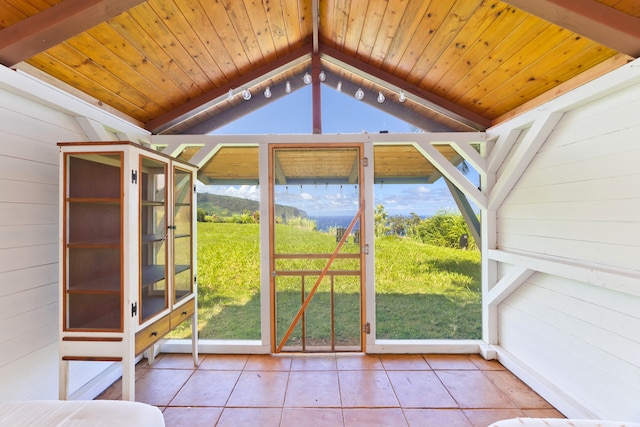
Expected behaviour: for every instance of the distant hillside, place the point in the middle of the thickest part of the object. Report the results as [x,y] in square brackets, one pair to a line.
[215,204]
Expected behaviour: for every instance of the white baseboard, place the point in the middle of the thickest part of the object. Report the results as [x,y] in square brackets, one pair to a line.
[543,386]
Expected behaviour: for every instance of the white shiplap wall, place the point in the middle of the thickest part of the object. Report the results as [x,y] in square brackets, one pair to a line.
[34,117]
[579,202]
[29,245]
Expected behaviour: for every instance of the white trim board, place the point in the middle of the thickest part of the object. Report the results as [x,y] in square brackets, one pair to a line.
[30,87]
[625,281]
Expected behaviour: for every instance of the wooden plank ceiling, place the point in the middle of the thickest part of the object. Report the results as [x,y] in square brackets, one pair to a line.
[180,66]
[394,164]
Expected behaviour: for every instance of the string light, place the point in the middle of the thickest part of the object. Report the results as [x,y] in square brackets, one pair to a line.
[401,98]
[359,94]
[339,87]
[307,78]
[246,94]
[381,97]
[287,87]
[322,76]
[267,92]
[230,94]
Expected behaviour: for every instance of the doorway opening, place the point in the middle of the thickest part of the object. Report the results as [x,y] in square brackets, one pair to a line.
[317,265]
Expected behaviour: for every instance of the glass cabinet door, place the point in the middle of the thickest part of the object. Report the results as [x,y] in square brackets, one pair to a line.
[93,242]
[153,237]
[182,215]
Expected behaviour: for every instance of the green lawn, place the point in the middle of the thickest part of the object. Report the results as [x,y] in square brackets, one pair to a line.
[423,291]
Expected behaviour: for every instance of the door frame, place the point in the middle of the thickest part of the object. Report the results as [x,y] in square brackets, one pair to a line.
[362,212]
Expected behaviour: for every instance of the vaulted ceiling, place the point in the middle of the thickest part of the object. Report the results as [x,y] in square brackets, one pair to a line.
[181,66]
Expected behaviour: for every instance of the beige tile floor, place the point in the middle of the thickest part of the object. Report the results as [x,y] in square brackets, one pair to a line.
[333,390]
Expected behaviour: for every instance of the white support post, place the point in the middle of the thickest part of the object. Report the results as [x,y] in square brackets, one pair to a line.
[129,377]
[265,232]
[369,238]
[63,384]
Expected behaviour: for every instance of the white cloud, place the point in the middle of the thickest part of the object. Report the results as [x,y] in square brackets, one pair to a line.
[251,192]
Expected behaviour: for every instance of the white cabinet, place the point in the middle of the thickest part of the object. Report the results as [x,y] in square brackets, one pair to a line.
[127,254]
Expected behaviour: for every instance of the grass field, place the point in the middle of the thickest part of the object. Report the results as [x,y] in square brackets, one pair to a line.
[422,291]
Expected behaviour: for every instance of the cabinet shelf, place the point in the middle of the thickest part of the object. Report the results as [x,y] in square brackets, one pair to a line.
[107,323]
[94,200]
[95,244]
[152,273]
[152,203]
[152,238]
[181,268]
[107,285]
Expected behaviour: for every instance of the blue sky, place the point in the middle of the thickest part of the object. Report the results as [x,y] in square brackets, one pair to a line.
[342,113]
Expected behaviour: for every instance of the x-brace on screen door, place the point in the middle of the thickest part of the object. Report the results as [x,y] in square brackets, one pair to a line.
[316,244]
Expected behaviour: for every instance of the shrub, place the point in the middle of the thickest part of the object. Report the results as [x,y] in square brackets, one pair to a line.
[444,229]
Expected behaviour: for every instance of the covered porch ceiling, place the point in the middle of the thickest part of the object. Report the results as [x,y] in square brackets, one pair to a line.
[181,66]
[393,164]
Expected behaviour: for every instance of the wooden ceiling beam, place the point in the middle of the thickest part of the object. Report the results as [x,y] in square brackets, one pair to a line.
[430,100]
[205,101]
[242,109]
[591,19]
[54,25]
[396,109]
[316,97]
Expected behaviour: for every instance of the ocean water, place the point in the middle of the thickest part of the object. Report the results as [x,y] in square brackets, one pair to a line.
[323,223]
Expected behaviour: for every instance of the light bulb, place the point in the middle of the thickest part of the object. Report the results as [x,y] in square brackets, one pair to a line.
[307,78]
[339,87]
[359,94]
[287,87]
[380,97]
[322,76]
[230,94]
[246,94]
[402,98]
[267,92]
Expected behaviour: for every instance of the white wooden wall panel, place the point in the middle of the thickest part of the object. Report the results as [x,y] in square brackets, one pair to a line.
[22,147]
[16,213]
[29,235]
[578,201]
[34,118]
[28,300]
[23,322]
[32,376]
[596,170]
[27,256]
[16,169]
[588,210]
[547,326]
[29,245]
[616,233]
[28,192]
[15,281]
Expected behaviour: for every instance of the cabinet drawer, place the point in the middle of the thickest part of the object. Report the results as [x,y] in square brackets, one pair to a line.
[151,334]
[182,313]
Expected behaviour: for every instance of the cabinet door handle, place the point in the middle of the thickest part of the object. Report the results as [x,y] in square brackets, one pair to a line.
[154,333]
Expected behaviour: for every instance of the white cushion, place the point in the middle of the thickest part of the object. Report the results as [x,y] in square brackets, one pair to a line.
[80,413]
[559,422]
